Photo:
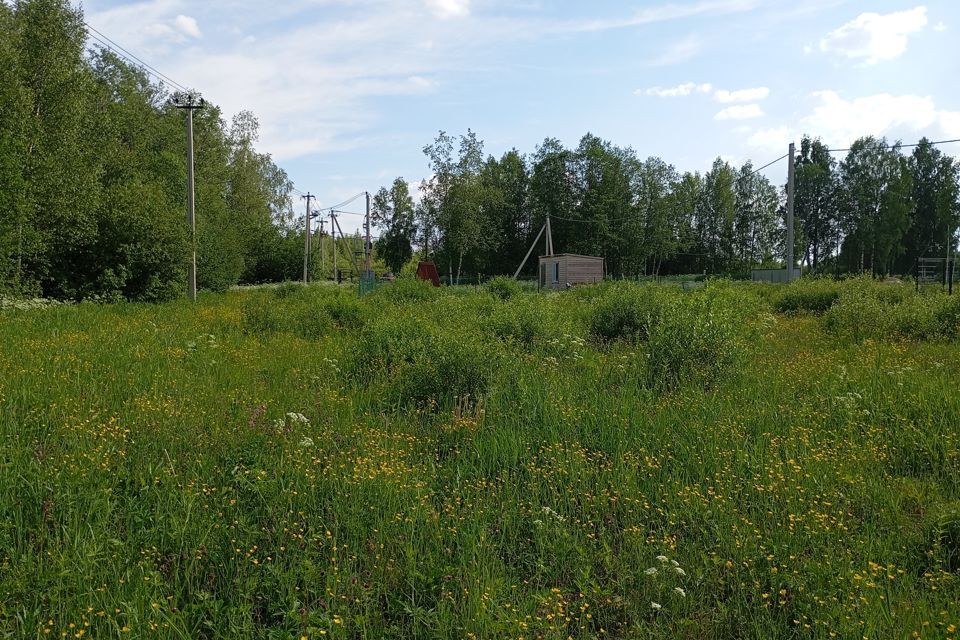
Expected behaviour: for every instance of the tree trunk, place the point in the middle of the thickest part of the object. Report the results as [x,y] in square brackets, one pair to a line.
[459,267]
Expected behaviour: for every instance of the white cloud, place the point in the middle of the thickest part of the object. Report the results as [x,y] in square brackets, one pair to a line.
[940,26]
[838,122]
[319,81]
[772,140]
[419,82]
[187,26]
[678,91]
[841,121]
[678,52]
[740,112]
[742,95]
[872,37]
[449,8]
[666,13]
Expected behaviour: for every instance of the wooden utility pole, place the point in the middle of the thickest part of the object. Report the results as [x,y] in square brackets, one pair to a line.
[948,267]
[306,240]
[791,185]
[549,237]
[368,253]
[323,264]
[333,235]
[189,103]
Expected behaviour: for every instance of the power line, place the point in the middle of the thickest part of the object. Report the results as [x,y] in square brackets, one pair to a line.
[769,164]
[131,57]
[345,202]
[901,146]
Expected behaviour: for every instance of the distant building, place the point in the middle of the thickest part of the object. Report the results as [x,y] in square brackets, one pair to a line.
[773,275]
[564,270]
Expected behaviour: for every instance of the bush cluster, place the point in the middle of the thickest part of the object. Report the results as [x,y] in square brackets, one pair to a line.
[811,295]
[872,311]
[626,312]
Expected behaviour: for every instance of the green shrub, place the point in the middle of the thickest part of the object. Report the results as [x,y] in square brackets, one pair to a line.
[260,316]
[697,340]
[420,364]
[300,316]
[858,315]
[915,319]
[344,308]
[405,290]
[308,321]
[947,317]
[504,288]
[947,537]
[289,290]
[449,368]
[889,311]
[810,295]
[626,312]
[524,321]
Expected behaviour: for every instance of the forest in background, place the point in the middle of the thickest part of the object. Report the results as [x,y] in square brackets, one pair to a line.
[875,209]
[93,175]
[93,186]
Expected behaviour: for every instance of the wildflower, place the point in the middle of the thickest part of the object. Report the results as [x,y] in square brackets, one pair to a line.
[306,443]
[655,606]
[553,514]
[675,563]
[679,591]
[298,418]
[663,559]
[680,572]
[652,571]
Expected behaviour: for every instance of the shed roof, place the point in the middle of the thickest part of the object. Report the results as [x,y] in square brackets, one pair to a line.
[572,255]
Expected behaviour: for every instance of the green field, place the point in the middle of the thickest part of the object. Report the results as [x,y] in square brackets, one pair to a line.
[622,461]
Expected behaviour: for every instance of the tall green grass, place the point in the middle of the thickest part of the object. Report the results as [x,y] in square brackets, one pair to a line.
[613,461]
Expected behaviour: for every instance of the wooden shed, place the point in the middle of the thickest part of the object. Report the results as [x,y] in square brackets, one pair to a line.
[564,270]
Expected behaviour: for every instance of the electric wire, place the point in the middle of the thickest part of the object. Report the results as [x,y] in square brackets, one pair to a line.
[769,164]
[345,202]
[110,44]
[901,146]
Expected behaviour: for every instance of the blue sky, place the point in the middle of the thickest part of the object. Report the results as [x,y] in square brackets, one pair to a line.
[349,91]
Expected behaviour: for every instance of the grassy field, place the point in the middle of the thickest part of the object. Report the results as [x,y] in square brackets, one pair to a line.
[621,461]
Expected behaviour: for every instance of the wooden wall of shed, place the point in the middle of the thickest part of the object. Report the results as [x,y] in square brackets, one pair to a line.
[580,270]
[573,270]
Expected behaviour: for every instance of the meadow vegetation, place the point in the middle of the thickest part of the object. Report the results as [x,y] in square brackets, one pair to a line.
[622,461]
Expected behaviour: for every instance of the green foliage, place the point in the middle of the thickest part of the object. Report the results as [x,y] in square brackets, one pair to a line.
[871,310]
[948,317]
[526,320]
[503,287]
[199,463]
[92,175]
[811,295]
[406,290]
[294,309]
[626,312]
[697,340]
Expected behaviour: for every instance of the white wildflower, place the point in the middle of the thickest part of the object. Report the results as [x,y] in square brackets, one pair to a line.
[652,571]
[655,606]
[675,563]
[679,591]
[553,514]
[663,559]
[680,572]
[306,443]
[298,418]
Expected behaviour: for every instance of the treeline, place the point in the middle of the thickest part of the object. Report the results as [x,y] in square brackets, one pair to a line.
[875,210]
[93,175]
